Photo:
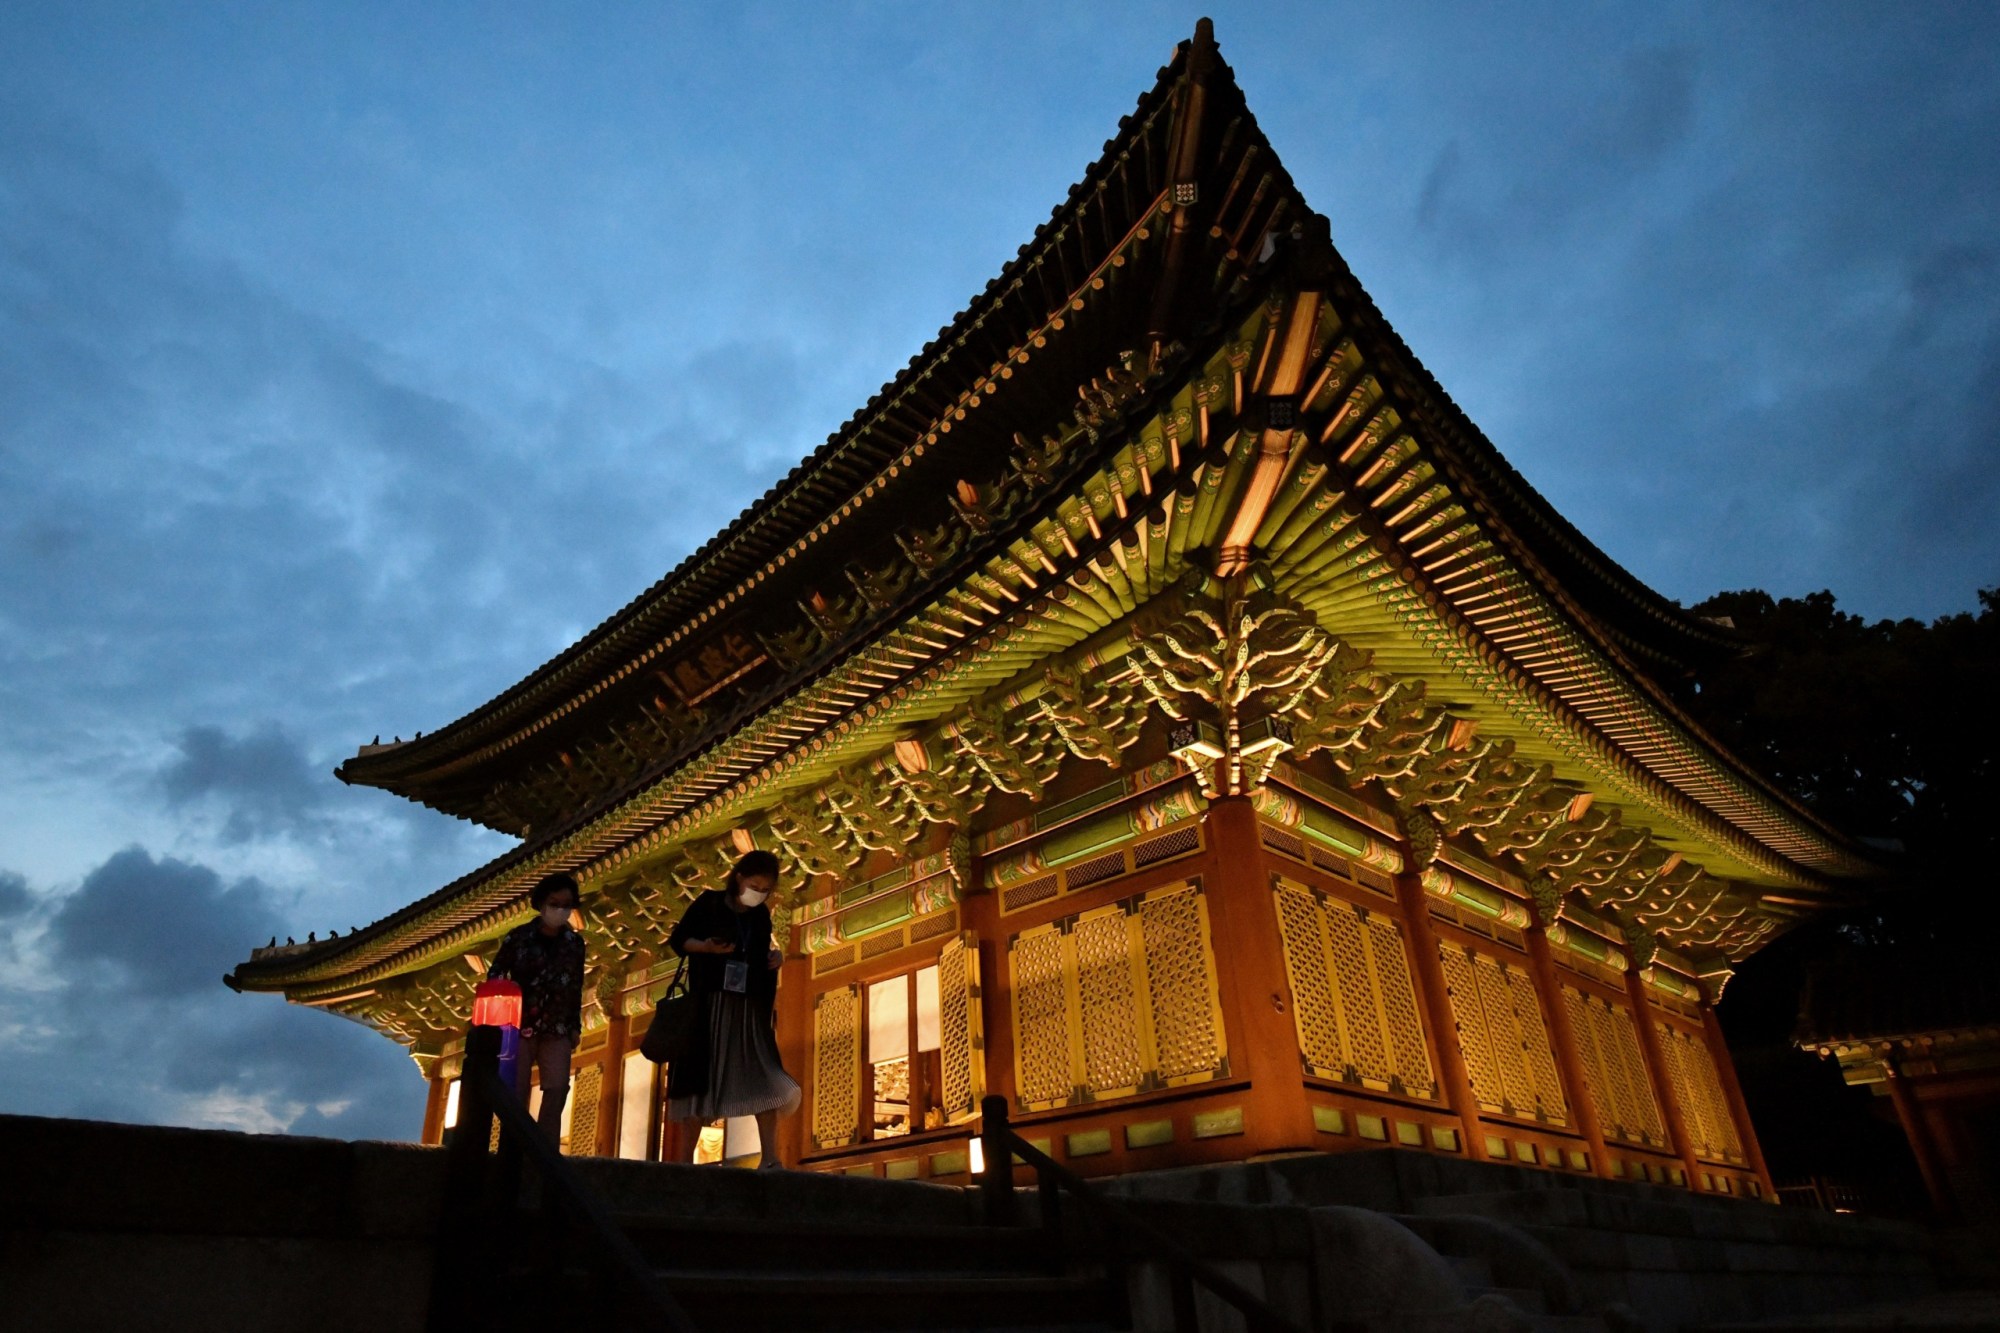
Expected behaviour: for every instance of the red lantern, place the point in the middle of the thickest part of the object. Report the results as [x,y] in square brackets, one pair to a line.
[496,1004]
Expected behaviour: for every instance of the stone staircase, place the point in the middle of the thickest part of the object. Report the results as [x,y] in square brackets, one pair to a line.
[122,1227]
[756,1251]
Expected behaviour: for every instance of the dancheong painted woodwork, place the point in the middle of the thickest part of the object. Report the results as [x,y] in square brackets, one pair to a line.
[1171,713]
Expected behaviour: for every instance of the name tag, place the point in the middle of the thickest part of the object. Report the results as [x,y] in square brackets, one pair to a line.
[736,977]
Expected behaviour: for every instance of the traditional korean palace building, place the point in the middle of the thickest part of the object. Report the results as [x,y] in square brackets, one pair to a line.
[1173,714]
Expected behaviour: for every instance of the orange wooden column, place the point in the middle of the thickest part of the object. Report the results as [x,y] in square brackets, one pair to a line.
[979,912]
[1250,966]
[1438,1017]
[434,1100]
[1568,1059]
[609,1102]
[1739,1110]
[1656,1066]
[794,1048]
[1916,1127]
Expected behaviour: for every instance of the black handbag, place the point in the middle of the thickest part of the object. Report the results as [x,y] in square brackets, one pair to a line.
[676,1019]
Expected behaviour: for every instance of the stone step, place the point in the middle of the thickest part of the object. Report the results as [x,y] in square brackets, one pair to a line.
[1474,1270]
[782,1303]
[1490,1316]
[697,1245]
[1957,1311]
[1625,1211]
[1525,1300]
[762,1301]
[1585,1248]
[676,1190]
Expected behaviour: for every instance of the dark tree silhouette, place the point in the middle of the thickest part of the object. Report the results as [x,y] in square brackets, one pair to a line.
[1889,731]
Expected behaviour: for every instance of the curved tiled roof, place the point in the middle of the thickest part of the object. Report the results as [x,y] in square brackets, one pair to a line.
[1647,626]
[1863,998]
[1627,630]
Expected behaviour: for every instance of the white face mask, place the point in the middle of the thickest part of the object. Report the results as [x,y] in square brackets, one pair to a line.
[751,897]
[555,916]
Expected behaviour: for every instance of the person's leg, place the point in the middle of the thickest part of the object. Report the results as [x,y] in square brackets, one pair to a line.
[691,1131]
[553,1057]
[767,1139]
[524,1067]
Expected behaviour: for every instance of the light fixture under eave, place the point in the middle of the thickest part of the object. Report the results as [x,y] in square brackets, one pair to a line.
[1196,740]
[1266,733]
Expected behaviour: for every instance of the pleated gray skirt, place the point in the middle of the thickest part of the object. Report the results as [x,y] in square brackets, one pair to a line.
[745,1075]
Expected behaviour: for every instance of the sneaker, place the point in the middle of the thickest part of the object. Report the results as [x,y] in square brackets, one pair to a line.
[770,1164]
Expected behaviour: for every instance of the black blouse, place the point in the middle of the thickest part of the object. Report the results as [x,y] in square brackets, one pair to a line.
[549,970]
[709,917]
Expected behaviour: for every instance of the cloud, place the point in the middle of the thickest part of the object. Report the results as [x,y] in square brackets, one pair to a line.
[1722,287]
[14,896]
[263,781]
[216,505]
[161,926]
[118,1011]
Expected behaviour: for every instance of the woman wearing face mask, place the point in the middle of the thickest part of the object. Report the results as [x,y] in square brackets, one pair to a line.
[545,958]
[732,966]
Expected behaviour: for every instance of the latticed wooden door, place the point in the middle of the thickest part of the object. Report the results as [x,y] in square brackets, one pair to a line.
[962,1032]
[836,1068]
[1353,1003]
[1614,1067]
[1506,1043]
[584,1091]
[1698,1086]
[1118,1000]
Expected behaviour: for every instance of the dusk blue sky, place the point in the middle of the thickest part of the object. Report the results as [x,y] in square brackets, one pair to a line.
[355,359]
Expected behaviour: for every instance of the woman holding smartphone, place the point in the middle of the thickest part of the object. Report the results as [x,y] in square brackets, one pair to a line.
[734,1068]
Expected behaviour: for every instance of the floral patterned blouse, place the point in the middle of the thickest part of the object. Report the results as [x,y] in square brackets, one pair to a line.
[549,971]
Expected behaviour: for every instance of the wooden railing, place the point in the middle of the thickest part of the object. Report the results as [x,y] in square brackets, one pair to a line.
[1822,1192]
[485,1240]
[1122,1232]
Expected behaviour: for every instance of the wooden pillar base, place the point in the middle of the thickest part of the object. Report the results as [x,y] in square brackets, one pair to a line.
[435,1097]
[610,1101]
[1922,1146]
[794,1021]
